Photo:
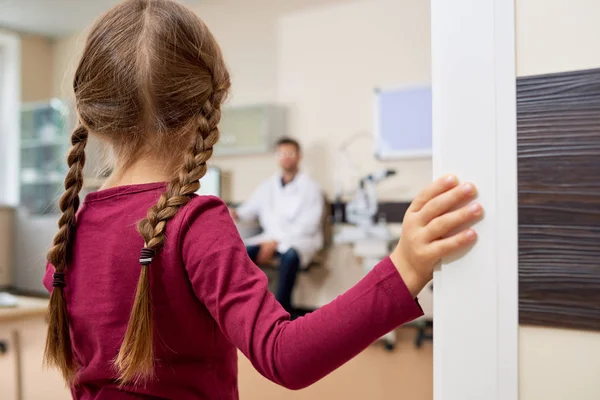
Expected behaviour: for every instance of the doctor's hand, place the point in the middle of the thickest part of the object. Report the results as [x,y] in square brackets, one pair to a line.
[266,252]
[434,228]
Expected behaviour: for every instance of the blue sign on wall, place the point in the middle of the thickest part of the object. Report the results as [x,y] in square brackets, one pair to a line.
[403,123]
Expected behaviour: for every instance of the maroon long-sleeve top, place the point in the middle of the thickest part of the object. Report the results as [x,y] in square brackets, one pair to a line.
[208,300]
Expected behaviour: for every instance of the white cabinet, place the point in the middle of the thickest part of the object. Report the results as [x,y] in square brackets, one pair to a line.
[250,129]
[44,141]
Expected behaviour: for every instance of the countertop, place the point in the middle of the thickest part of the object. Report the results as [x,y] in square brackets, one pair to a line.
[27,307]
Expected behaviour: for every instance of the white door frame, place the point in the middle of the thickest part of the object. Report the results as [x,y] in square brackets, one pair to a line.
[10,100]
[474,136]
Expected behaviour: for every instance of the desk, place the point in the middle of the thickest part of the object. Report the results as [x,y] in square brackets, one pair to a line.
[27,307]
[22,342]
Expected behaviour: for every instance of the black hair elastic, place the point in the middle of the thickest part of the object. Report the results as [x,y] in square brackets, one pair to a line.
[146,256]
[58,280]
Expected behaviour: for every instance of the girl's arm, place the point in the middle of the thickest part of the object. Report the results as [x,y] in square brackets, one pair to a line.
[292,354]
[297,354]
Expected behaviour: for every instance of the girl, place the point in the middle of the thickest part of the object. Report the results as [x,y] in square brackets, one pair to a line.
[150,83]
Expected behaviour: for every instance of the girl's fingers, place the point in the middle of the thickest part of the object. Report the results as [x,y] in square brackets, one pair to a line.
[435,189]
[445,247]
[447,223]
[447,201]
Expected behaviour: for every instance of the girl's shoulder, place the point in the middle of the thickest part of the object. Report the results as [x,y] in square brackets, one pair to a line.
[206,202]
[206,222]
[210,211]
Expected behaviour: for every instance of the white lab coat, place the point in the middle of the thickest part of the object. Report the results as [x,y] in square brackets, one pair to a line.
[290,215]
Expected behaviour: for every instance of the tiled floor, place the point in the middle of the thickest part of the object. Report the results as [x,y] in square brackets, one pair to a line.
[404,374]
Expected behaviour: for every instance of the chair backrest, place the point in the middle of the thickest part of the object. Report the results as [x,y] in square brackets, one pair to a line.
[326,223]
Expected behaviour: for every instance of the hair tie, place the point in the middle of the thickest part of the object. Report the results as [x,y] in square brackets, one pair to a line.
[146,256]
[58,280]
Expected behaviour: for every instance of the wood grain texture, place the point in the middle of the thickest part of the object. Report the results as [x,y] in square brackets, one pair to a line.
[558,127]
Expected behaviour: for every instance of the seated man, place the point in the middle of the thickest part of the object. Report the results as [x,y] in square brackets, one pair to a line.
[289,207]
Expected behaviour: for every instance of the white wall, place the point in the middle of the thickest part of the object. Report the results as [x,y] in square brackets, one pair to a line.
[10,98]
[66,52]
[558,364]
[290,51]
[556,36]
[326,73]
[36,68]
[330,61]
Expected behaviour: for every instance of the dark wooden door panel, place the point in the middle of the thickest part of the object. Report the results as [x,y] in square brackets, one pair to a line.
[558,126]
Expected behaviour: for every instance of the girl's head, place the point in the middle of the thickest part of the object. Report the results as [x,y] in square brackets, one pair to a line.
[150,83]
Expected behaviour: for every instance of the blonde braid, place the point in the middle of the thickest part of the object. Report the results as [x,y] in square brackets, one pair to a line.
[187,182]
[135,361]
[58,350]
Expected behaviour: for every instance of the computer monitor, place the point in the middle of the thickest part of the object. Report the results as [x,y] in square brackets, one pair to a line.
[210,184]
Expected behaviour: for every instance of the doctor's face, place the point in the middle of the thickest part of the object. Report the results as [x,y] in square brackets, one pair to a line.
[289,157]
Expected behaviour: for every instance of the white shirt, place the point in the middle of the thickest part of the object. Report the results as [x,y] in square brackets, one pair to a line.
[288,214]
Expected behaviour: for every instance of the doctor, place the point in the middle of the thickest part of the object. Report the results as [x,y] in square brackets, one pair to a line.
[289,207]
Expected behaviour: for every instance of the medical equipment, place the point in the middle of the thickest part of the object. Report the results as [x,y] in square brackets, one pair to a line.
[362,209]
[370,239]
[346,171]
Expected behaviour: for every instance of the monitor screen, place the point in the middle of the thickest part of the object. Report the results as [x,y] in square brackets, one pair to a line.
[403,123]
[210,184]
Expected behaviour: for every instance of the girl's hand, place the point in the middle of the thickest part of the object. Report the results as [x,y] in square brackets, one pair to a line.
[429,230]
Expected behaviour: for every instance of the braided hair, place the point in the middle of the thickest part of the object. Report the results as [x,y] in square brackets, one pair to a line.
[58,344]
[135,358]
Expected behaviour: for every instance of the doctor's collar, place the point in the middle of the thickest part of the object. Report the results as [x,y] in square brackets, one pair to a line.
[283,182]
